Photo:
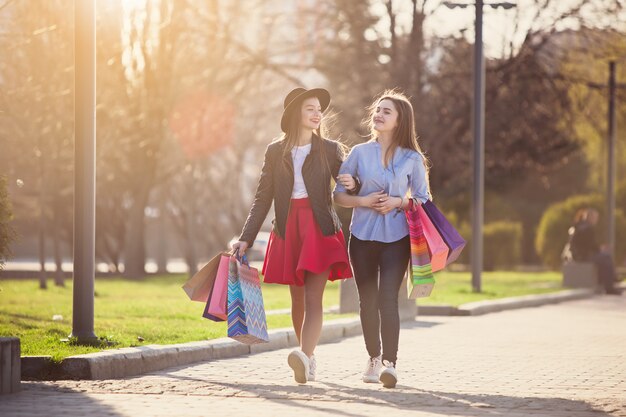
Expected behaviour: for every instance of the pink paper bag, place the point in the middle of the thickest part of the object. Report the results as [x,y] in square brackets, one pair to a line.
[216,305]
[437,247]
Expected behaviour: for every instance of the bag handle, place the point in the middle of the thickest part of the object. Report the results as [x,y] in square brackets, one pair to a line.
[241,259]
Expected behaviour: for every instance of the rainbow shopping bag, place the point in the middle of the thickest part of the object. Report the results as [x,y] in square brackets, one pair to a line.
[246,313]
[421,279]
[437,248]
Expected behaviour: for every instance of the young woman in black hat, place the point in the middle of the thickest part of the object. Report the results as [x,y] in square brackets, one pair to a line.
[306,246]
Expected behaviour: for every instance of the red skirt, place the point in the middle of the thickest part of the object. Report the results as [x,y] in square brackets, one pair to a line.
[304,248]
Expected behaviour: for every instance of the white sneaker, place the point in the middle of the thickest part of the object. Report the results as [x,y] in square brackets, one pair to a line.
[372,370]
[299,362]
[388,376]
[312,368]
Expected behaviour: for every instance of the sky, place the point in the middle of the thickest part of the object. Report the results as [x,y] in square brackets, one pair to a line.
[500,32]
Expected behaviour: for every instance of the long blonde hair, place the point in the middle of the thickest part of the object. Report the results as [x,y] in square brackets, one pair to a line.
[404,135]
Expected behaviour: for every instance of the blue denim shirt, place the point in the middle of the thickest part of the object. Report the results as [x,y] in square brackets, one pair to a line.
[404,176]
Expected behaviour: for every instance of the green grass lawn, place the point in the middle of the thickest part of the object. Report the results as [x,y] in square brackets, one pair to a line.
[454,288]
[155,309]
[158,311]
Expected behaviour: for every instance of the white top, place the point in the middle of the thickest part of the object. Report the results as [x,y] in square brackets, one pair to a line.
[298,154]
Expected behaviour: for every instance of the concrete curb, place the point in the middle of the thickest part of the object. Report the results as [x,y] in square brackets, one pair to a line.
[125,362]
[492,306]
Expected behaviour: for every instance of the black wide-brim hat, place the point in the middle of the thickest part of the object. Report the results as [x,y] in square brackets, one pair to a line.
[296,96]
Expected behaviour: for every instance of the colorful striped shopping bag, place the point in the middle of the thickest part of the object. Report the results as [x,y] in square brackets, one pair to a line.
[421,279]
[246,313]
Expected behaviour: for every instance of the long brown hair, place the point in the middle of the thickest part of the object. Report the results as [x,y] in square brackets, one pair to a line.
[404,135]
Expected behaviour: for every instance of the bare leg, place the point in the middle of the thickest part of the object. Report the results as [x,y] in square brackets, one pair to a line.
[297,309]
[314,285]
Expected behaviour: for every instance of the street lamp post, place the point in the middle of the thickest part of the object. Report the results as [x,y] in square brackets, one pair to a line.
[478,125]
[478,120]
[84,172]
[611,161]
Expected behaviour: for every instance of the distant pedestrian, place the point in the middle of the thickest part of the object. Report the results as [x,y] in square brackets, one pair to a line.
[392,170]
[584,247]
[306,246]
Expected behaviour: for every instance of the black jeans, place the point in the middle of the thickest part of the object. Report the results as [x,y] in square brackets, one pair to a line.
[606,270]
[378,271]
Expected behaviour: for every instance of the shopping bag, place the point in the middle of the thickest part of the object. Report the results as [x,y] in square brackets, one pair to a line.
[246,313]
[453,239]
[421,279]
[200,285]
[437,248]
[215,308]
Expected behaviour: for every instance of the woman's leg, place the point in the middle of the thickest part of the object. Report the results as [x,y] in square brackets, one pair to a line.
[297,309]
[394,259]
[364,259]
[314,285]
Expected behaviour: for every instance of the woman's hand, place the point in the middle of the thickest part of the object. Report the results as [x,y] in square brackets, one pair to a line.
[372,199]
[241,246]
[347,181]
[386,204]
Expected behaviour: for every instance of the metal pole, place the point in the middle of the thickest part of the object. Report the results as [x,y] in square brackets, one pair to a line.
[479,150]
[611,162]
[84,170]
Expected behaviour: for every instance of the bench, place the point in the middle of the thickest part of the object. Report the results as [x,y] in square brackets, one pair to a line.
[580,275]
[10,371]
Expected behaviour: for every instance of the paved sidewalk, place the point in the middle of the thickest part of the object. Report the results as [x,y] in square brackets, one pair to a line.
[560,360]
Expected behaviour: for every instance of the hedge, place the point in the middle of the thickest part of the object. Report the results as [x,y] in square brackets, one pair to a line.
[552,233]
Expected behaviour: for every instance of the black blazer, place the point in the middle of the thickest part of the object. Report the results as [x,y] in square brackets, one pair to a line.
[276,184]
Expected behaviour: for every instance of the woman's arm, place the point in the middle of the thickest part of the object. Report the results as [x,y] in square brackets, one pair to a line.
[419,181]
[350,183]
[262,202]
[350,201]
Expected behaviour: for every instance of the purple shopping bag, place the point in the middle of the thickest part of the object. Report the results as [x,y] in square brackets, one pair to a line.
[453,239]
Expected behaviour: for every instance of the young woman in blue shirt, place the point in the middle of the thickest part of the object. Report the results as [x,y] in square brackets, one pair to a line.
[391,169]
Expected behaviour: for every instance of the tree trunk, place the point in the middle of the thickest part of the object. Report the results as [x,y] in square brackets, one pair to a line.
[58,256]
[161,247]
[135,251]
[59,280]
[42,236]
[42,252]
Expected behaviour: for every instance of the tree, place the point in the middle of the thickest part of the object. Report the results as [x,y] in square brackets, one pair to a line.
[36,95]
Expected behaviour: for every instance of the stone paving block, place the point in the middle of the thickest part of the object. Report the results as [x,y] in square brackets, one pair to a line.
[228,348]
[37,367]
[331,332]
[561,360]
[279,339]
[194,352]
[10,366]
[155,357]
[493,306]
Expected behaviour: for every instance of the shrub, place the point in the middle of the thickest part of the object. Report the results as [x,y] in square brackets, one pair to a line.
[557,219]
[6,231]
[502,245]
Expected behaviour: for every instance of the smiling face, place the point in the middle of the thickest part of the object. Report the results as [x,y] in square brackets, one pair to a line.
[385,117]
[311,113]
